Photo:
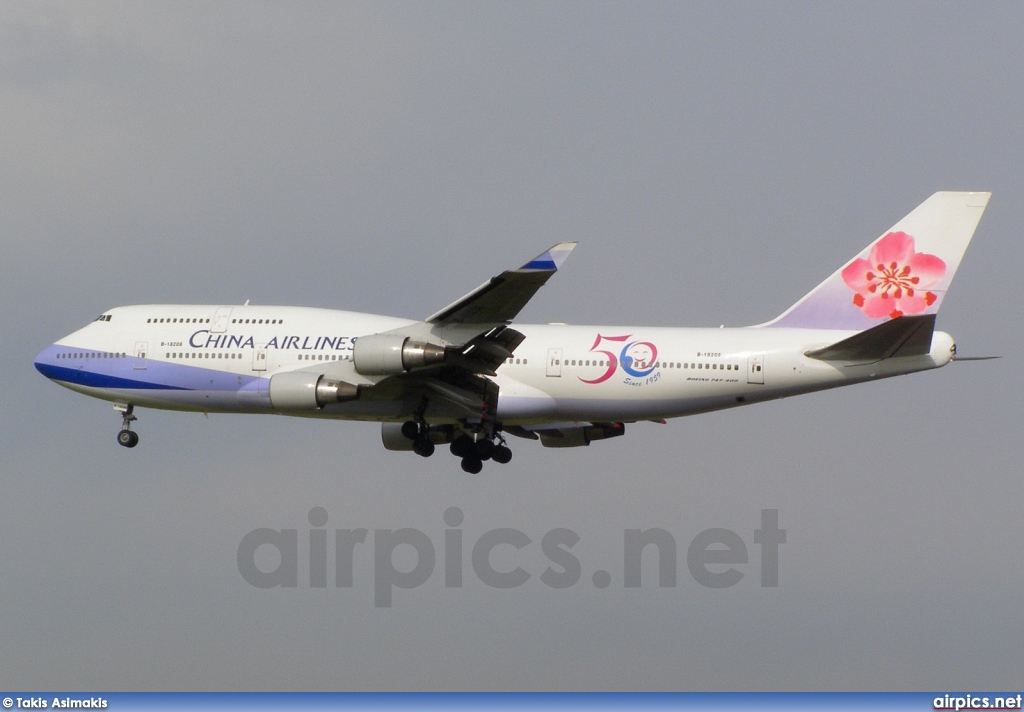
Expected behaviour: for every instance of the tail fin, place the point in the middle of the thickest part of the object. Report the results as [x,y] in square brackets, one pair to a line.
[905,272]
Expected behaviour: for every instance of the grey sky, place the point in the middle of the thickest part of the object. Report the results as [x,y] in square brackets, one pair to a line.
[715,161]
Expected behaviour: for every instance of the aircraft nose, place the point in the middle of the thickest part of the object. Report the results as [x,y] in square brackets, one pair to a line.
[45,362]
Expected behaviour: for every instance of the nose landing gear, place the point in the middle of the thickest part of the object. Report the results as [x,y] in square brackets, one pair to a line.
[126,437]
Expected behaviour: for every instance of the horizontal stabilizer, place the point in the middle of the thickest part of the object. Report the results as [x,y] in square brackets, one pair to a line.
[903,336]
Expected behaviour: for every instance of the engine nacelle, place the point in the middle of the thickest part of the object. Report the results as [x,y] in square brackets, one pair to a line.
[302,390]
[578,437]
[391,435]
[389,354]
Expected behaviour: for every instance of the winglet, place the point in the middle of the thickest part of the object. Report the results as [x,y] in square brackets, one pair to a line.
[549,261]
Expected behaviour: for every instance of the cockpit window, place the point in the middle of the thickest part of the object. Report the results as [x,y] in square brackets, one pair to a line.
[103,317]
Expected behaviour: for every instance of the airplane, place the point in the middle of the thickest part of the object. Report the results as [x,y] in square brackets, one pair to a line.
[465,376]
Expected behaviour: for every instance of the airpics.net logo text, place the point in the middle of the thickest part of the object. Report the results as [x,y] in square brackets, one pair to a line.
[715,558]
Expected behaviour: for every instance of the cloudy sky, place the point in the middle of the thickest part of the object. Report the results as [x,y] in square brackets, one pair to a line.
[714,161]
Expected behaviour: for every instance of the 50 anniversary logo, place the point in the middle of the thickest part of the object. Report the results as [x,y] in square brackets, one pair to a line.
[637,358]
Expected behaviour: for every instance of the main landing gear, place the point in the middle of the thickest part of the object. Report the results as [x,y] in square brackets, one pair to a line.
[418,431]
[473,448]
[126,437]
[475,451]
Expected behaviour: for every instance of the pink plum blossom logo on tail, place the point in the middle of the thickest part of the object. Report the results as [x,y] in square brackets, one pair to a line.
[895,279]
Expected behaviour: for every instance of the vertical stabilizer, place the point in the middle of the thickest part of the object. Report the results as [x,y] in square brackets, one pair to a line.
[905,272]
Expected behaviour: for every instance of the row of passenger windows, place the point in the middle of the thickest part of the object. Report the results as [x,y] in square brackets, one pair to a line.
[189,354]
[323,357]
[302,357]
[95,354]
[205,321]
[657,364]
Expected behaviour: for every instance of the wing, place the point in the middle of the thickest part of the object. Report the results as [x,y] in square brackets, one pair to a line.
[500,299]
[476,339]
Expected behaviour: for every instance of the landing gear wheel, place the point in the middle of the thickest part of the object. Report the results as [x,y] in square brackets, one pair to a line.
[483,449]
[462,446]
[501,455]
[423,447]
[126,437]
[472,465]
[411,429]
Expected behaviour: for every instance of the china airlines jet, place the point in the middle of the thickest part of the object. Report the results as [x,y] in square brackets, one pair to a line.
[466,376]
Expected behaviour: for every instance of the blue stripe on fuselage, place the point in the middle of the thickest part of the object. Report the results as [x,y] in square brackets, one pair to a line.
[119,373]
[81,377]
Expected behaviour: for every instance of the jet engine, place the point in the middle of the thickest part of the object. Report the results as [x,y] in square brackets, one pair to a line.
[302,390]
[390,354]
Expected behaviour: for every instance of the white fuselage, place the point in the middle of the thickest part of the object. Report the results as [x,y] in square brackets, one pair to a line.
[220,359]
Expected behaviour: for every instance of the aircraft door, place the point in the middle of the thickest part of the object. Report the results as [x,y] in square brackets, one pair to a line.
[554,362]
[220,320]
[141,349]
[259,367]
[259,359]
[755,368]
